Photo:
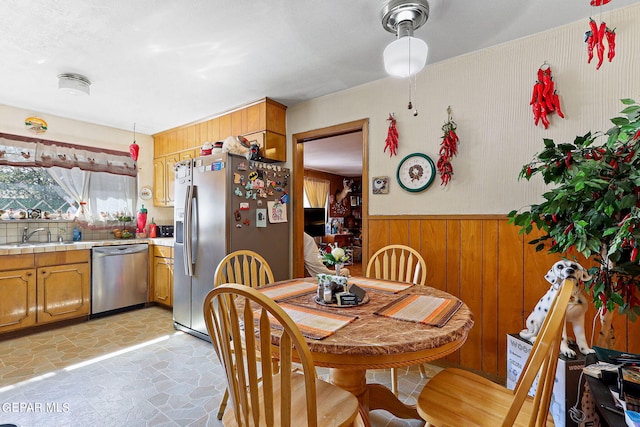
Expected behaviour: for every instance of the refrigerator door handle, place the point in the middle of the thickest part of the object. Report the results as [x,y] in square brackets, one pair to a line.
[194,227]
[186,254]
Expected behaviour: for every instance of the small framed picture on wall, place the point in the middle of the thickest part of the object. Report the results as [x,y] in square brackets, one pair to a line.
[380,184]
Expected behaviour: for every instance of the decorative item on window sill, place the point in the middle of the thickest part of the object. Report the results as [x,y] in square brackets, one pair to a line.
[36,124]
[134,148]
[595,38]
[392,136]
[448,149]
[545,99]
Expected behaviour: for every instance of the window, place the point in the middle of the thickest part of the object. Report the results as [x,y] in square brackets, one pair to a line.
[106,196]
[23,188]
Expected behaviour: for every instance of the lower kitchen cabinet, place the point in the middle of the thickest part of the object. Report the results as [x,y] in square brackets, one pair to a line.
[17,298]
[63,292]
[42,288]
[163,275]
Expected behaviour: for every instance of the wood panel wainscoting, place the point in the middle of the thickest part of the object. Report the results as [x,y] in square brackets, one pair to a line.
[483,260]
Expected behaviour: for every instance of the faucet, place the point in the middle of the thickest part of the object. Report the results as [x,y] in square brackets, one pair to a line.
[26,235]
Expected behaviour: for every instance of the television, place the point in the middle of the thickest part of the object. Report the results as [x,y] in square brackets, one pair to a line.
[314,221]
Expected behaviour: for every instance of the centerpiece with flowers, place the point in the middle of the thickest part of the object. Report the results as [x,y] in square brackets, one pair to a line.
[336,257]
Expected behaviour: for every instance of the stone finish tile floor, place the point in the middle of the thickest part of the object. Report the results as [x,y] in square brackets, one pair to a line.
[129,369]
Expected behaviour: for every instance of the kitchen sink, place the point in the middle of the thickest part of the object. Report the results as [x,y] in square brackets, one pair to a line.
[34,244]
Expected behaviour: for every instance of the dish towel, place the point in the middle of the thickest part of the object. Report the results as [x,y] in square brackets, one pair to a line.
[381,285]
[313,323]
[289,290]
[430,310]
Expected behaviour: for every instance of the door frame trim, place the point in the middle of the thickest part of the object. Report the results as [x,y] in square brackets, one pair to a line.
[297,174]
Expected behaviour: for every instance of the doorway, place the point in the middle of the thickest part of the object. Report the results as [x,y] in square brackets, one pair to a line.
[361,126]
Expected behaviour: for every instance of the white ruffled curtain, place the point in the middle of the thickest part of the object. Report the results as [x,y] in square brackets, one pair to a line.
[317,192]
[100,196]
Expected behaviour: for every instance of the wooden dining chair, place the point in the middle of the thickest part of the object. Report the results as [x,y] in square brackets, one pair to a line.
[248,268]
[239,317]
[455,397]
[402,264]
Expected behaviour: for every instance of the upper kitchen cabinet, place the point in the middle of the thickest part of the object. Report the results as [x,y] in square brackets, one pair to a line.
[163,177]
[263,120]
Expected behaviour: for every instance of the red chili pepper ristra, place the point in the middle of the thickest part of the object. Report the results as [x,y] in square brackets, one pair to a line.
[600,45]
[634,254]
[556,103]
[392,137]
[611,41]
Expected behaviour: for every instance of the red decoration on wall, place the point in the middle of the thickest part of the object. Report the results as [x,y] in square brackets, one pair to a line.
[448,149]
[595,38]
[545,99]
[392,137]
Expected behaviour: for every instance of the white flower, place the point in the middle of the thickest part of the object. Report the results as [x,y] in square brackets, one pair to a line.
[338,254]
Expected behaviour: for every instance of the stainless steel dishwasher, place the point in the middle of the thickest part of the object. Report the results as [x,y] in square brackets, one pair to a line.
[119,277]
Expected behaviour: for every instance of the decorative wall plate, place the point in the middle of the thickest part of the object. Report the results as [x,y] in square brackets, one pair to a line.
[36,124]
[416,172]
[145,193]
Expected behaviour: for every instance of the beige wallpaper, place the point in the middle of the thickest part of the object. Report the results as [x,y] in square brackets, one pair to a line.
[489,92]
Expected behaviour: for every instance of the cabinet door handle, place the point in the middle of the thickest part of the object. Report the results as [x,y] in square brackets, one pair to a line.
[28,274]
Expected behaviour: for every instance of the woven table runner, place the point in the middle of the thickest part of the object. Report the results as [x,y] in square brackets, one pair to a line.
[430,310]
[289,290]
[313,323]
[381,285]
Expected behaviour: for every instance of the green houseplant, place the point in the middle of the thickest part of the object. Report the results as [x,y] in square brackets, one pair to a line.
[592,208]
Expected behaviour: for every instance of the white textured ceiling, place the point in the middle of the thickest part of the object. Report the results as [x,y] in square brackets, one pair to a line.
[164,63]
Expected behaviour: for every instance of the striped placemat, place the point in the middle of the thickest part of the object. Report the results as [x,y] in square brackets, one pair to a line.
[289,290]
[430,310]
[313,323]
[381,285]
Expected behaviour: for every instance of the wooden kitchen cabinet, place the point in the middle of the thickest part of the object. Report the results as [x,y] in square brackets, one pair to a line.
[17,292]
[63,285]
[163,179]
[163,275]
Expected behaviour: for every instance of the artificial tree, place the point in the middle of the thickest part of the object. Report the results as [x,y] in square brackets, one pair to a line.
[593,208]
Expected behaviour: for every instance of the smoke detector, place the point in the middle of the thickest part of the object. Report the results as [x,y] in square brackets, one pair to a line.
[74,84]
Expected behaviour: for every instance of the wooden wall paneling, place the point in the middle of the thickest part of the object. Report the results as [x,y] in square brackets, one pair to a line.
[510,287]
[487,320]
[378,235]
[414,235]
[399,232]
[454,253]
[433,241]
[225,126]
[471,288]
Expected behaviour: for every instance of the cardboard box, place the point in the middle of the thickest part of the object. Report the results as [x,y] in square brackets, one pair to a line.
[565,389]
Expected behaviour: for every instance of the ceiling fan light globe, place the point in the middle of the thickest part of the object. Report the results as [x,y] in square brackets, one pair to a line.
[405,56]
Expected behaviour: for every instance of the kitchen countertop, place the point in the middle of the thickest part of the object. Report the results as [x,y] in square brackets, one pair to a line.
[36,247]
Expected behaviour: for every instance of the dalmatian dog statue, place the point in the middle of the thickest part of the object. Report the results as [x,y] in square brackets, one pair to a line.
[575,311]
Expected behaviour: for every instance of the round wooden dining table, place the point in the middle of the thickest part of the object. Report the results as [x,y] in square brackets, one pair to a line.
[373,341]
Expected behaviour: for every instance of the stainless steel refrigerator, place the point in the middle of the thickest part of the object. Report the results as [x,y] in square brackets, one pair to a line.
[224,203]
